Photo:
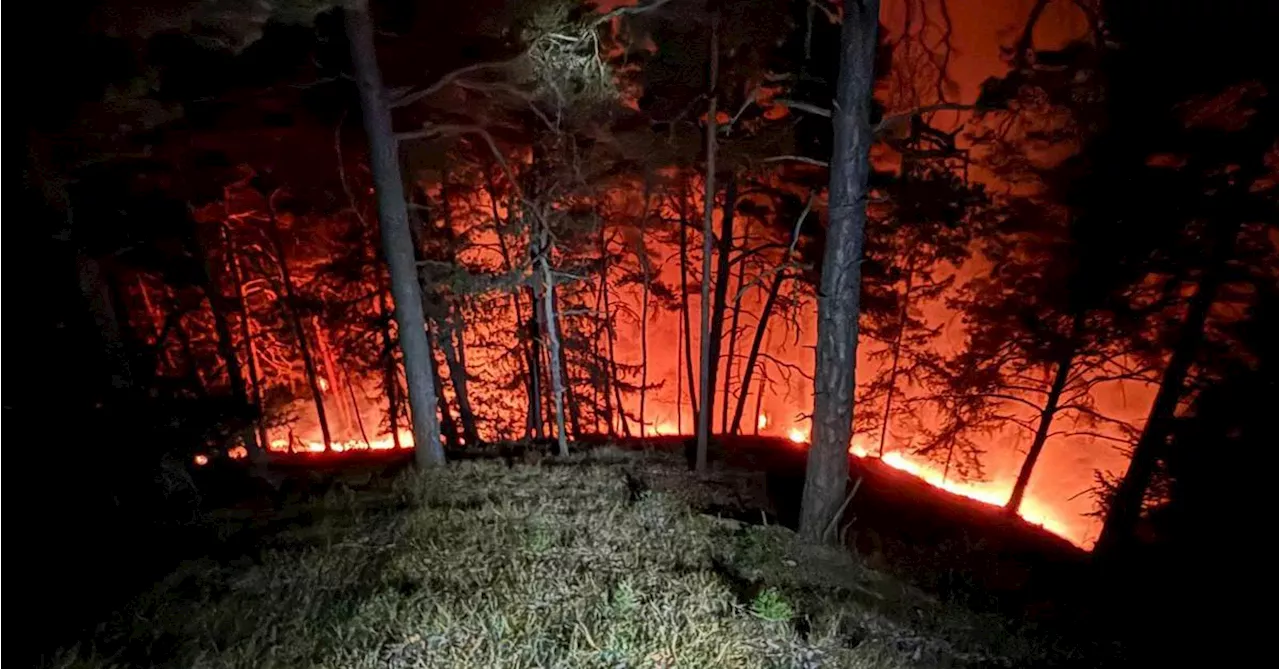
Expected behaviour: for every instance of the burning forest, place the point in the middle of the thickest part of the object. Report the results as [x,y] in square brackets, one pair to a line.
[1022,252]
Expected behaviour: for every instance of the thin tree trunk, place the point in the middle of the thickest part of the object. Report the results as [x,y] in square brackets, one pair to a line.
[397,241]
[722,294]
[391,375]
[761,328]
[522,340]
[251,352]
[458,379]
[642,255]
[227,350]
[570,399]
[1126,506]
[351,392]
[755,428]
[295,324]
[897,353]
[607,376]
[679,379]
[838,296]
[448,427]
[706,363]
[723,270]
[684,306]
[1042,432]
[553,337]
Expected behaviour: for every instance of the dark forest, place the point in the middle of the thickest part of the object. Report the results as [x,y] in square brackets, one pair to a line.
[686,333]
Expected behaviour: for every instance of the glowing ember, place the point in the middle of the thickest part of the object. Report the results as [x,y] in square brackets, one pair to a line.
[763,421]
[324,385]
[797,435]
[238,452]
[201,459]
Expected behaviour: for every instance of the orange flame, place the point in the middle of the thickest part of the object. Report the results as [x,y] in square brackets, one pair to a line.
[201,459]
[763,421]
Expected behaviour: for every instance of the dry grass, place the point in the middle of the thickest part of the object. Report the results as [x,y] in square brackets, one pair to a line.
[567,564]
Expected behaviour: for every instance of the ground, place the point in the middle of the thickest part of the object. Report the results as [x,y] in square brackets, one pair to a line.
[604,559]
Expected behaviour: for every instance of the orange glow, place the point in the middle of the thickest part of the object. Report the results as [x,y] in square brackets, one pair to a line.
[324,385]
[238,452]
[314,444]
[797,435]
[201,459]
[1033,511]
[763,421]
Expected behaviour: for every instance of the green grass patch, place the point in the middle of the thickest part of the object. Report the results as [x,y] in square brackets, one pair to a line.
[560,565]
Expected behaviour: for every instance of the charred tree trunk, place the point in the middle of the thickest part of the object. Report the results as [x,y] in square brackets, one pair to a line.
[1047,414]
[570,399]
[839,293]
[295,324]
[706,362]
[724,246]
[397,242]
[1126,506]
[642,254]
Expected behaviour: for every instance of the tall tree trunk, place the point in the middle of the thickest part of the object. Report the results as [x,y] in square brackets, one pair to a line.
[227,349]
[839,294]
[522,340]
[570,399]
[448,427]
[1126,506]
[679,378]
[601,351]
[553,337]
[397,242]
[391,371]
[706,362]
[684,307]
[756,341]
[246,333]
[903,313]
[1042,431]
[458,378]
[642,254]
[295,324]
[755,426]
[723,271]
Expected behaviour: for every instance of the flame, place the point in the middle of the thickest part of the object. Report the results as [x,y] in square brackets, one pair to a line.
[314,445]
[797,435]
[763,421]
[324,385]
[1033,511]
[201,459]
[237,452]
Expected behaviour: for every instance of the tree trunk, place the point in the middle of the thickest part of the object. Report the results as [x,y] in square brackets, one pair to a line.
[684,307]
[1126,506]
[733,337]
[613,363]
[458,378]
[720,300]
[391,371]
[705,362]
[295,324]
[642,254]
[570,400]
[838,296]
[553,337]
[527,351]
[397,242]
[897,353]
[251,352]
[448,428]
[1042,432]
[756,341]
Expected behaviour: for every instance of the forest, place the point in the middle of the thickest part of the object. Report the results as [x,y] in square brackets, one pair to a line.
[1022,252]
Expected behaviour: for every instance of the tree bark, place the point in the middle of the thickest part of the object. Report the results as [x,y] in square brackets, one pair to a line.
[391,371]
[397,241]
[553,337]
[1126,506]
[705,361]
[733,337]
[295,324]
[448,427]
[838,297]
[761,327]
[642,255]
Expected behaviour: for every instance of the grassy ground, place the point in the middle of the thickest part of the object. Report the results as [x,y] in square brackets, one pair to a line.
[601,560]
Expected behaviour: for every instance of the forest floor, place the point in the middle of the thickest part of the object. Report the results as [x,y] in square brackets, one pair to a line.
[604,559]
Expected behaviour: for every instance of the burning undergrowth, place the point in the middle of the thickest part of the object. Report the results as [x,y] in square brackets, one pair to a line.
[485,564]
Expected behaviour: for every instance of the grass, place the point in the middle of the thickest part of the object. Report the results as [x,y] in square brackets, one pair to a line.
[566,564]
